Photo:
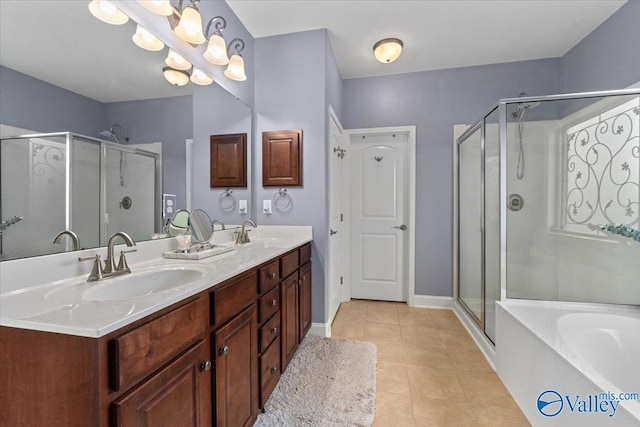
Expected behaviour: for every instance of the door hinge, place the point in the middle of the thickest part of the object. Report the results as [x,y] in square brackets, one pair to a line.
[341,217]
[341,280]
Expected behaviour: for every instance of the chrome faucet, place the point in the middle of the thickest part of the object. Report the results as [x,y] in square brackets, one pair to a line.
[100,272]
[217,221]
[110,264]
[243,236]
[73,236]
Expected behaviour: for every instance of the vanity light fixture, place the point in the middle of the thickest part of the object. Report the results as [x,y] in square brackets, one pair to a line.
[144,39]
[387,50]
[107,12]
[235,69]
[189,27]
[200,78]
[175,60]
[176,77]
[216,52]
[159,7]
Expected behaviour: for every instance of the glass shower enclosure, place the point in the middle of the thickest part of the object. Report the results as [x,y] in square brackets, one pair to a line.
[549,203]
[64,181]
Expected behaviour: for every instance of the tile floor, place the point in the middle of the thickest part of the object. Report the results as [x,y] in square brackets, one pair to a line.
[430,372]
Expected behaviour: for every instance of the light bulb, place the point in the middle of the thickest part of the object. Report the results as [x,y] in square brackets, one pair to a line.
[387,50]
[107,12]
[216,52]
[235,69]
[189,28]
[175,60]
[144,39]
[200,78]
[160,7]
[175,77]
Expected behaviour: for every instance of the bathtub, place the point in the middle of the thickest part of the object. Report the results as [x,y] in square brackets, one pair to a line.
[570,364]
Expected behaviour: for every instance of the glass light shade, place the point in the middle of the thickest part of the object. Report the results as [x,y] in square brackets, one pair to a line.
[216,52]
[200,78]
[146,40]
[107,12]
[387,50]
[189,28]
[160,7]
[235,69]
[176,77]
[175,60]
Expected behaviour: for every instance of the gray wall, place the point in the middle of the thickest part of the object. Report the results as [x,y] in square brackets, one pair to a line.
[609,57]
[29,103]
[334,82]
[291,94]
[216,112]
[166,120]
[434,101]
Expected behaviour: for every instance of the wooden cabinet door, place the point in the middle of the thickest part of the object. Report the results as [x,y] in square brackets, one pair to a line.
[282,158]
[179,395]
[290,321]
[304,284]
[236,370]
[228,160]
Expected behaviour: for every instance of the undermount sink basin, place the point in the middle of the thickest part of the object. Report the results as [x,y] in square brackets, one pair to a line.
[141,284]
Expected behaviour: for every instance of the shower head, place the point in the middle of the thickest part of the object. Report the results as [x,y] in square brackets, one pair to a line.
[527,105]
[116,132]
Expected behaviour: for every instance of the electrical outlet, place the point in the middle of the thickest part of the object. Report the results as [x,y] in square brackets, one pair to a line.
[168,205]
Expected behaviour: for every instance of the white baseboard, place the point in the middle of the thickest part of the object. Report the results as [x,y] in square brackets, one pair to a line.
[320,329]
[426,301]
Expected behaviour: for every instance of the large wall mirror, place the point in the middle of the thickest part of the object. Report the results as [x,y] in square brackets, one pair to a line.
[112,135]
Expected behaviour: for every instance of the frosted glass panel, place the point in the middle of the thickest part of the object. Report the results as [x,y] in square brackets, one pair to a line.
[470,236]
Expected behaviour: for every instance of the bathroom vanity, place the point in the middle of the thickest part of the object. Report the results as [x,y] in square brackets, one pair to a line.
[211,357]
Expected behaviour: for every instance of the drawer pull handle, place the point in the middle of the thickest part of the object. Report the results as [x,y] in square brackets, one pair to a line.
[273,302]
[274,369]
[224,350]
[206,365]
[272,275]
[274,330]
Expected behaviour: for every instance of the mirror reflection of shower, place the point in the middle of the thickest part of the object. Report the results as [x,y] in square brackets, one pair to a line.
[519,114]
[117,132]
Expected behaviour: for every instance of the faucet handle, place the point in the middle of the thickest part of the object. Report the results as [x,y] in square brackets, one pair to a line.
[122,262]
[97,271]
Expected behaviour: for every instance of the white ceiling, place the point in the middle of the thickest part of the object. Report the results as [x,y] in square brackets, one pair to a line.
[437,34]
[60,42]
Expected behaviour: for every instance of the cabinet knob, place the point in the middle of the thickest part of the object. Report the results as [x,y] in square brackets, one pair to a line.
[274,330]
[272,275]
[206,365]
[224,350]
[273,302]
[274,369]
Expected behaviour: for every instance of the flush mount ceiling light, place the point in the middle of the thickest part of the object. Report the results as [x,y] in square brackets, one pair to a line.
[216,52]
[107,12]
[189,27]
[175,77]
[159,7]
[387,50]
[175,60]
[144,39]
[200,78]
[235,69]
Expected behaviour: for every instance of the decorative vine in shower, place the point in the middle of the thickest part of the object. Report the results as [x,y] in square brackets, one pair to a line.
[47,162]
[603,169]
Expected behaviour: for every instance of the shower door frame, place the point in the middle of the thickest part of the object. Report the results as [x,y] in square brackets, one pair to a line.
[470,131]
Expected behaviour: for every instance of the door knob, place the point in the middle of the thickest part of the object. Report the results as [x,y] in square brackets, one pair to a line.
[401,227]
[333,232]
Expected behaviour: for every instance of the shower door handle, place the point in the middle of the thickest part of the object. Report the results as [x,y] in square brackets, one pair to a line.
[401,227]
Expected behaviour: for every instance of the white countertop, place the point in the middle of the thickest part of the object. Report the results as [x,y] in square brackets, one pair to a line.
[59,305]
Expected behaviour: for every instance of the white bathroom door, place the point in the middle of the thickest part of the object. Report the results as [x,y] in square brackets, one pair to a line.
[337,154]
[378,217]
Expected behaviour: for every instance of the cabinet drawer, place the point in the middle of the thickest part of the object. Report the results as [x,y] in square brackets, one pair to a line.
[144,349]
[305,254]
[289,263]
[269,332]
[269,304]
[269,277]
[269,370]
[230,300]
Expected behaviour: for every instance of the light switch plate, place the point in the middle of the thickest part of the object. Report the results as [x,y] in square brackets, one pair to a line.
[266,207]
[242,206]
